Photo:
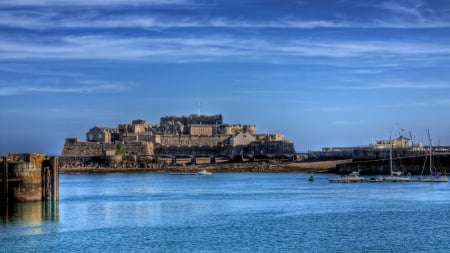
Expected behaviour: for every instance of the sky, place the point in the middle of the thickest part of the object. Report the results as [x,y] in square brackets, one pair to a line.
[323,73]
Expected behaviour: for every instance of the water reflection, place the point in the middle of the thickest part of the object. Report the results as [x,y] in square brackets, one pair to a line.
[30,212]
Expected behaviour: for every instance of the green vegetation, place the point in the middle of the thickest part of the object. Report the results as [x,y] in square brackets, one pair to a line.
[119,149]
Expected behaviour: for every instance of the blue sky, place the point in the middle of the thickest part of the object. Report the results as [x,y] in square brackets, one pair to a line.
[323,73]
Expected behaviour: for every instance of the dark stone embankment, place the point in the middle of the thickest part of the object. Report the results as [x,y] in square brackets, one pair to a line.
[411,164]
[260,166]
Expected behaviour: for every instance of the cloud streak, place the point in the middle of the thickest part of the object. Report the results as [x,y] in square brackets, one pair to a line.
[96,20]
[65,3]
[83,88]
[383,85]
[97,14]
[210,48]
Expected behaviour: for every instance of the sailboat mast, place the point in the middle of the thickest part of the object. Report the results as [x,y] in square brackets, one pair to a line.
[429,138]
[390,156]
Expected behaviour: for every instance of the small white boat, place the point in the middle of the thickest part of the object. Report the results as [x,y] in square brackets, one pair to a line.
[203,173]
[350,178]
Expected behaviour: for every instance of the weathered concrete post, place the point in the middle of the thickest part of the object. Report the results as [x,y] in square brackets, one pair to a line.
[28,169]
[34,178]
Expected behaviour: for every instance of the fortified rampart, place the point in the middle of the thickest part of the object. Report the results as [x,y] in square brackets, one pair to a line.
[271,147]
[188,140]
[74,147]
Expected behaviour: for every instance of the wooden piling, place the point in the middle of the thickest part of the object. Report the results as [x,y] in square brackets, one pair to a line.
[55,178]
[45,182]
[5,193]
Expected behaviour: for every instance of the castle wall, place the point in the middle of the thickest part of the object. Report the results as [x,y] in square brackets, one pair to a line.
[186,140]
[97,149]
[271,147]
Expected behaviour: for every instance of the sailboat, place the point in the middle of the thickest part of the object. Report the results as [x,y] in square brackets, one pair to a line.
[434,176]
[396,176]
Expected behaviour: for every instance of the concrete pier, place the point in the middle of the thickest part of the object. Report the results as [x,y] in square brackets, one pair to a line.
[29,177]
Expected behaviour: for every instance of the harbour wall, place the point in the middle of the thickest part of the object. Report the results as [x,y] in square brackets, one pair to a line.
[414,164]
[379,154]
[329,155]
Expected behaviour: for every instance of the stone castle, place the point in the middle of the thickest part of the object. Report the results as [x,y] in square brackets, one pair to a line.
[180,136]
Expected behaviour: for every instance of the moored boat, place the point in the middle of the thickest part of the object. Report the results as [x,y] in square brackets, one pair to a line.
[203,173]
[396,176]
[353,177]
[434,176]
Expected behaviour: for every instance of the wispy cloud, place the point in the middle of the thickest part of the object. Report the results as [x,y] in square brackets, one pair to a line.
[361,71]
[409,14]
[89,86]
[33,70]
[28,19]
[15,3]
[433,102]
[346,123]
[382,85]
[211,48]
[405,8]
[92,15]
[93,20]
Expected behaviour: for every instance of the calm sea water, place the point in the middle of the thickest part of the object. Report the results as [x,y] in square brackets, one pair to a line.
[231,213]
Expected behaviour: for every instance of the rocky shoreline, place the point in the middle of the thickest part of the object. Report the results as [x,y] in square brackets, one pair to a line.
[262,166]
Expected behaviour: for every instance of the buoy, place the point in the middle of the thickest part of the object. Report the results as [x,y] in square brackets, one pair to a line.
[311,179]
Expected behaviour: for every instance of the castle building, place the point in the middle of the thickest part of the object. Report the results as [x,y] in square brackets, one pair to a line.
[182,133]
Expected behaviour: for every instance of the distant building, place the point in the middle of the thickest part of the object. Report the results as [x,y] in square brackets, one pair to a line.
[200,130]
[242,139]
[102,134]
[399,142]
[269,137]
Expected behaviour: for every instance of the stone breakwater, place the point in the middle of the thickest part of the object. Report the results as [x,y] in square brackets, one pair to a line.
[261,166]
[412,164]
